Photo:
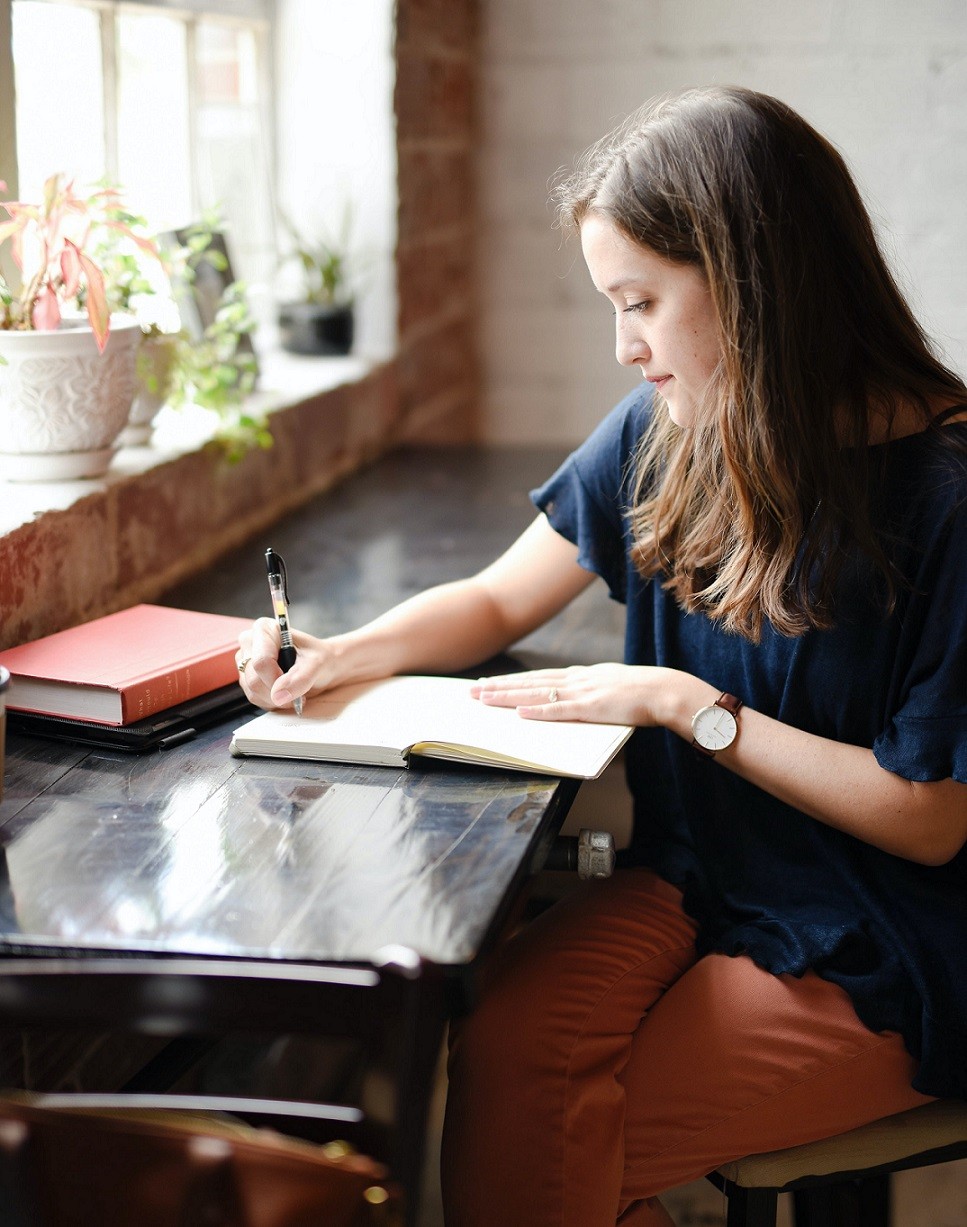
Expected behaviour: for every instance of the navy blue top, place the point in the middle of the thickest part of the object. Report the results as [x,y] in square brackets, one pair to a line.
[759,876]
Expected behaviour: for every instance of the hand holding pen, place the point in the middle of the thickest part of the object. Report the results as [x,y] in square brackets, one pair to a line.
[278,588]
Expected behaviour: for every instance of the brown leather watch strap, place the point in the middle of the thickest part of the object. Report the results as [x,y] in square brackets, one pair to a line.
[729,702]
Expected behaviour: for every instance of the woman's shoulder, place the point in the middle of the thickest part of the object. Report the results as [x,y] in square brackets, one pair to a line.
[600,472]
[613,444]
[936,458]
[923,496]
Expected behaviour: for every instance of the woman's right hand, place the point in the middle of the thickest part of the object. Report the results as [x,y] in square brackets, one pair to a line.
[445,629]
[263,681]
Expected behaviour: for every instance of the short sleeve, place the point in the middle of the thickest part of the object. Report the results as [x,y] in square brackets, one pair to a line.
[587,498]
[926,737]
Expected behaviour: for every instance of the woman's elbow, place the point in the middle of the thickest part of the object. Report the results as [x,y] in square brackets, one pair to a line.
[941,851]
[942,836]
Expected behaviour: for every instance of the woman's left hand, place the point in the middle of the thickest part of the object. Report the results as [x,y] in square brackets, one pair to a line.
[607,693]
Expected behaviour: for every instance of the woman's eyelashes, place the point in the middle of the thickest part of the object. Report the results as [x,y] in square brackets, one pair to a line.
[633,306]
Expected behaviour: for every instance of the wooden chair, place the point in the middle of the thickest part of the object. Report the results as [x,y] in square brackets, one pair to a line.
[69,1167]
[843,1181]
[392,1011]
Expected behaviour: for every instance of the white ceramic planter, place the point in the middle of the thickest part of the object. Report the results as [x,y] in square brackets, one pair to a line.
[156,356]
[62,404]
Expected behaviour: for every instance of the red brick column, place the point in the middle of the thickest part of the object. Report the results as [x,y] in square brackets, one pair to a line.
[436,46]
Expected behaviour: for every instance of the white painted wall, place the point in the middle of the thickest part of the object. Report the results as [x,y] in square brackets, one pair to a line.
[336,131]
[885,80]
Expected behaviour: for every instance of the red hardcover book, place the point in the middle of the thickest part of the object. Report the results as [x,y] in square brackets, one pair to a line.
[125,666]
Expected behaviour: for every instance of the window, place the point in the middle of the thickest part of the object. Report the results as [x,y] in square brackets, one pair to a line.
[171,104]
[180,102]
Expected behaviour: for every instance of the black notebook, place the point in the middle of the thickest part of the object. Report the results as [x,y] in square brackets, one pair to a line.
[162,731]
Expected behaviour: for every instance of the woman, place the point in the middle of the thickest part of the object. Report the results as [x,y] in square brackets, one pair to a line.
[782,508]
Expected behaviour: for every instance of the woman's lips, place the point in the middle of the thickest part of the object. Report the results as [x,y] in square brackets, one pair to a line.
[658,380]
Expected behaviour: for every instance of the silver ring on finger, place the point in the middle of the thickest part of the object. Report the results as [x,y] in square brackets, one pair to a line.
[552,695]
[243,664]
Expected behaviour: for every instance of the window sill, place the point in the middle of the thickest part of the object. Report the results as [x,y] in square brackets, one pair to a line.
[73,550]
[284,382]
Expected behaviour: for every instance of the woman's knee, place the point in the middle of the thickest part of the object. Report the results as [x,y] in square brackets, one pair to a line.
[592,965]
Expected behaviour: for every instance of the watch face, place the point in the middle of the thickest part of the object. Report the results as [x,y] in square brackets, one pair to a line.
[714,728]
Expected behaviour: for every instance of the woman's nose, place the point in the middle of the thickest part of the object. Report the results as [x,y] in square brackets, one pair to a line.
[629,348]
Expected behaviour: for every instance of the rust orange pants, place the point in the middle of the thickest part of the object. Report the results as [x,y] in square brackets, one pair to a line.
[606,1063]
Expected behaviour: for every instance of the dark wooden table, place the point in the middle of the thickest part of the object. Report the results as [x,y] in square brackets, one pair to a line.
[243,887]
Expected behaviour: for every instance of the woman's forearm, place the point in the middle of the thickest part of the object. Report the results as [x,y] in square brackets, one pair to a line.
[841,785]
[442,630]
[457,625]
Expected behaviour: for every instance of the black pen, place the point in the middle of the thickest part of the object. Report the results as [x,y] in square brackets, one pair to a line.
[280,606]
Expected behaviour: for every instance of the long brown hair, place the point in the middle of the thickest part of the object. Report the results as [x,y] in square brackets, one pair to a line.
[752,513]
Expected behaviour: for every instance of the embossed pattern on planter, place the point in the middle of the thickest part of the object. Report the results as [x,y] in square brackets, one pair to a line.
[46,402]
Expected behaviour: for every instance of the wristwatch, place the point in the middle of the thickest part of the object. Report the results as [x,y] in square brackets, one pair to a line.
[715,727]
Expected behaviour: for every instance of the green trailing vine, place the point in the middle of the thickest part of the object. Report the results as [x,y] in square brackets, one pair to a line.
[217,373]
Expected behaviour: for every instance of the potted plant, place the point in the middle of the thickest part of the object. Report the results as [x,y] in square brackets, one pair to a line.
[157,354]
[141,287]
[322,320]
[214,369]
[67,377]
[217,372]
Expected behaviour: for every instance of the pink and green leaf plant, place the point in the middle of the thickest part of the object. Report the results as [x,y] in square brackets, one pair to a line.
[50,244]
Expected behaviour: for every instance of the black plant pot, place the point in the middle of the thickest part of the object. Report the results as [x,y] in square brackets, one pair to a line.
[308,328]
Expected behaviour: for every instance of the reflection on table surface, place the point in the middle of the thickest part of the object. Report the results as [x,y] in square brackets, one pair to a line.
[193,851]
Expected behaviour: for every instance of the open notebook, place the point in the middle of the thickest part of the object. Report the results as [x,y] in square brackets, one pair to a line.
[383,723]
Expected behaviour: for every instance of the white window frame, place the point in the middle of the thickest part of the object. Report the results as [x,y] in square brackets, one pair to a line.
[252,14]
[377,317]
[8,114]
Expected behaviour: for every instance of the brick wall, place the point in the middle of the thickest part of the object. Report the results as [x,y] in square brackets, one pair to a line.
[436,59]
[150,523]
